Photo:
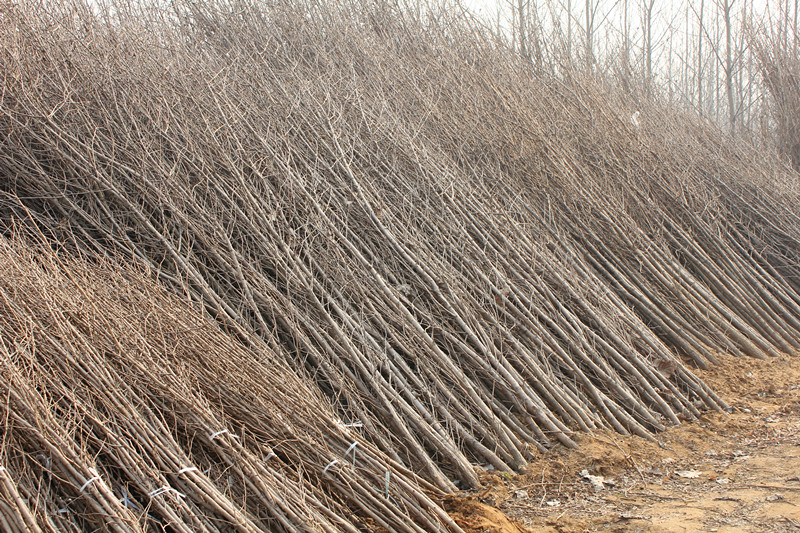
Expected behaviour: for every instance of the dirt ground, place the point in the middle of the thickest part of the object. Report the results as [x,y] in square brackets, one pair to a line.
[724,473]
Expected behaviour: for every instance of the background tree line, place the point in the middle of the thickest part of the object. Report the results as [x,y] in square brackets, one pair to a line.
[732,61]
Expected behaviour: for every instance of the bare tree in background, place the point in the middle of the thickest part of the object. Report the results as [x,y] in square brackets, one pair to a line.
[569,29]
[647,45]
[626,47]
[726,7]
[522,21]
[590,11]
[536,34]
[700,59]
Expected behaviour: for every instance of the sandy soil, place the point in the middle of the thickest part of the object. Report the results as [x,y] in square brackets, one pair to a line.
[724,473]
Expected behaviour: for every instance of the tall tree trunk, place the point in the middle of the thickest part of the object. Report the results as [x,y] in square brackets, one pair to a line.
[687,88]
[699,74]
[536,36]
[589,35]
[569,32]
[647,23]
[522,21]
[626,48]
[715,104]
[727,6]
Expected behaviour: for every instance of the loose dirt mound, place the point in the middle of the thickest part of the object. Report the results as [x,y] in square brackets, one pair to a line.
[476,517]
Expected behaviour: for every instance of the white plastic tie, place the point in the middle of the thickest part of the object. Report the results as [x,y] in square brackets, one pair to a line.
[130,504]
[2,469]
[386,487]
[221,433]
[353,449]
[91,480]
[330,465]
[356,424]
[163,490]
[269,456]
[635,119]
[187,469]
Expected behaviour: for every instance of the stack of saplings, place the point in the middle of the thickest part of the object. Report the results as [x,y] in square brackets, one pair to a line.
[125,410]
[468,259]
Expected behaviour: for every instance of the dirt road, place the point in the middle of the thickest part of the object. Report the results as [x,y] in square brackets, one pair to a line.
[723,473]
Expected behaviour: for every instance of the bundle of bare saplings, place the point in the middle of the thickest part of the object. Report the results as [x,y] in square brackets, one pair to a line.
[406,237]
[126,410]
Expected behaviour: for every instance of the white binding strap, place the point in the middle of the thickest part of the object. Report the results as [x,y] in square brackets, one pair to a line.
[330,465]
[187,469]
[218,434]
[221,433]
[91,480]
[163,490]
[130,504]
[356,424]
